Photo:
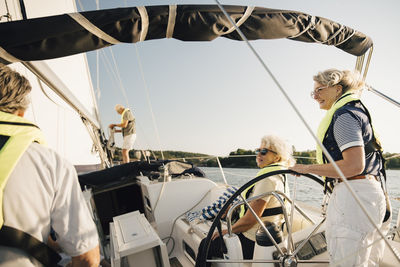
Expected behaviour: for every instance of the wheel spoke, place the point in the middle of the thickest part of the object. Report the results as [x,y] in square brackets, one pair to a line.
[288,255]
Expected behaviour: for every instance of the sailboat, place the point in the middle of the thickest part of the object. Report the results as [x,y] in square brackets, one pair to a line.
[139,232]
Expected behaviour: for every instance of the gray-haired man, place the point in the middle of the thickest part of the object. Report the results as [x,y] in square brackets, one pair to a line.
[40,190]
[128,129]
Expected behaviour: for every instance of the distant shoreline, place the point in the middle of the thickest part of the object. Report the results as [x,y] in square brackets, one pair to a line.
[241,158]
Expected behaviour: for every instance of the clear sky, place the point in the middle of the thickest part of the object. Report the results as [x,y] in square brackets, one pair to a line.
[214,97]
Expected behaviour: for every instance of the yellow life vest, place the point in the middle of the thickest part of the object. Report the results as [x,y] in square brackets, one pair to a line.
[123,113]
[265,170]
[16,135]
[326,121]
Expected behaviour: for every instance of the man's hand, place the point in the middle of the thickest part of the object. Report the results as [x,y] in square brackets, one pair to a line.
[111,126]
[216,234]
[88,259]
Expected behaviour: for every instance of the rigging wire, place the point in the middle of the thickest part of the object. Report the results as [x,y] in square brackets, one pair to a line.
[148,100]
[98,94]
[112,72]
[115,74]
[119,77]
[80,5]
[326,153]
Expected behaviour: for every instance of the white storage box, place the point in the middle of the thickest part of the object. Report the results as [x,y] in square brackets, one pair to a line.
[133,242]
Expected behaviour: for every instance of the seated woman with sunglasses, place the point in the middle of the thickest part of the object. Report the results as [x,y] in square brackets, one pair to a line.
[274,154]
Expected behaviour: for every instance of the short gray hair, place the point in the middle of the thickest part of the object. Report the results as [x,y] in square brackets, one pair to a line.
[349,80]
[14,90]
[118,107]
[281,147]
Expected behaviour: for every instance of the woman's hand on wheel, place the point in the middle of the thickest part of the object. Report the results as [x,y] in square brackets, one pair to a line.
[299,168]
[216,234]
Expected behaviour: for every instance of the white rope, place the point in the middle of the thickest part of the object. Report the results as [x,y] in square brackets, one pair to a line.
[96,142]
[90,27]
[148,100]
[371,50]
[345,40]
[222,171]
[171,21]
[310,25]
[332,37]
[326,153]
[166,174]
[144,18]
[242,20]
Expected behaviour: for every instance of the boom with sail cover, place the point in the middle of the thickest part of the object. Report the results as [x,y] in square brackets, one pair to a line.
[68,34]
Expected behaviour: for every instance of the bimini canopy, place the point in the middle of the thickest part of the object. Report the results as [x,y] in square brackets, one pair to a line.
[68,34]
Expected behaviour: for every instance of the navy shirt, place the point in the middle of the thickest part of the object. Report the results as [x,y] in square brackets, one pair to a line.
[351,127]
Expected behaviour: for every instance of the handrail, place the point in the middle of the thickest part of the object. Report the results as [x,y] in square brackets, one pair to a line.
[387,98]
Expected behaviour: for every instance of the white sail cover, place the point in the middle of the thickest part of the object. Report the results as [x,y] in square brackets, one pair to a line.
[61,125]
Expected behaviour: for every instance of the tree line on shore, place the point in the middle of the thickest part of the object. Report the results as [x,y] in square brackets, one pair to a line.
[241,158]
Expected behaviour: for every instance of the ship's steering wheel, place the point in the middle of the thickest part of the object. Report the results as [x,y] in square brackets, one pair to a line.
[202,256]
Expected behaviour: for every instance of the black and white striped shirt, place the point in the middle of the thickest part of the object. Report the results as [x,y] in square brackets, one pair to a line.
[347,132]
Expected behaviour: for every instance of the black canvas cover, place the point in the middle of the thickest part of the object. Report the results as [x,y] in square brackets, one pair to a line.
[59,36]
[129,171]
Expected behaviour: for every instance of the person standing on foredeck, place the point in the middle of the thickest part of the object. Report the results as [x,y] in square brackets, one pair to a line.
[128,129]
[347,133]
[39,190]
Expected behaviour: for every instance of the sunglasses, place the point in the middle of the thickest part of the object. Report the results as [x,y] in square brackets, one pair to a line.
[264,151]
[317,91]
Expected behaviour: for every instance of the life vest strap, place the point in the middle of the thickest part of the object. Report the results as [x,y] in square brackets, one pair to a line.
[272,212]
[18,123]
[3,140]
[11,237]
